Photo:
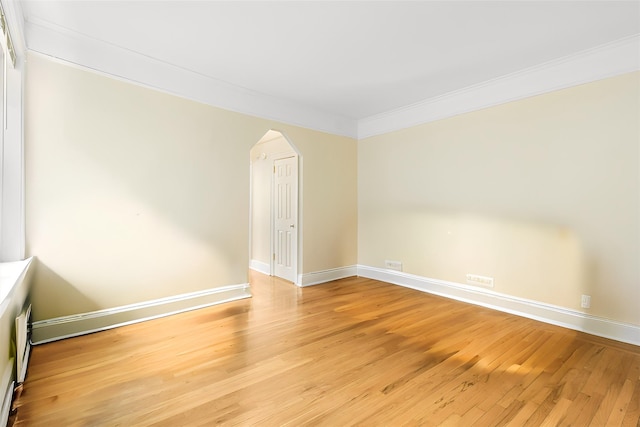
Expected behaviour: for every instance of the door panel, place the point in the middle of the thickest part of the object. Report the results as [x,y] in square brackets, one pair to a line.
[285,186]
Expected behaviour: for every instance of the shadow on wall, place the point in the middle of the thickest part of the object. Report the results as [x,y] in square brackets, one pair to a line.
[532,260]
[53,296]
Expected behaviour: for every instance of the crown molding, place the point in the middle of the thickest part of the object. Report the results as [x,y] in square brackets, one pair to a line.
[78,50]
[96,55]
[611,59]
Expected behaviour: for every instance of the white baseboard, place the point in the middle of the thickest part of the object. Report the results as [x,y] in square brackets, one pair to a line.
[260,267]
[543,312]
[323,276]
[7,386]
[45,331]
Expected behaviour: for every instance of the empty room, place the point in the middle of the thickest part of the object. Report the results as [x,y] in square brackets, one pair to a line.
[320,213]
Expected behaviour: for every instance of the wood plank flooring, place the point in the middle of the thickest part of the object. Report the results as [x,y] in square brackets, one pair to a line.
[350,352]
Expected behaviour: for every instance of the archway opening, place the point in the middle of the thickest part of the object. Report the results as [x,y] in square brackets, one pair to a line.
[275,219]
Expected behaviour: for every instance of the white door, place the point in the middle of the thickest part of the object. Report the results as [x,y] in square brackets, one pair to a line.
[285,218]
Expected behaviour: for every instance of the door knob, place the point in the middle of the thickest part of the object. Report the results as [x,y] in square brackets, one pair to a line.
[291,226]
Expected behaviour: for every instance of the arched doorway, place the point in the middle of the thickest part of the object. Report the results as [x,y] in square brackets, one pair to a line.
[275,228]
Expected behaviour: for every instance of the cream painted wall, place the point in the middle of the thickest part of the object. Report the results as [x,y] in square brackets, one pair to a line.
[542,194]
[329,199]
[133,194]
[261,173]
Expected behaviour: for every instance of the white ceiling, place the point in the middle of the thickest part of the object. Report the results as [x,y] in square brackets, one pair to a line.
[350,60]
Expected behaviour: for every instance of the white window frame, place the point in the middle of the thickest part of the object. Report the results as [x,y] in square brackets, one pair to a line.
[12,214]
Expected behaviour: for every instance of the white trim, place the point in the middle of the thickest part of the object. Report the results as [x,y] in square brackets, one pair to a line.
[44,331]
[8,393]
[71,48]
[15,20]
[324,276]
[611,59]
[75,49]
[12,224]
[15,274]
[536,310]
[260,267]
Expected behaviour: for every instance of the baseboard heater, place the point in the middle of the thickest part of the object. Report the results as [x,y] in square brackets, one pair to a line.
[23,343]
[7,381]
[17,363]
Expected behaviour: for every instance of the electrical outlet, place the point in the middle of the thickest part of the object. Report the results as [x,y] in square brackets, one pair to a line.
[585,301]
[474,279]
[393,265]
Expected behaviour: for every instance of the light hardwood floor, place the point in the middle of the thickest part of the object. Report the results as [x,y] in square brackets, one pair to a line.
[353,351]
